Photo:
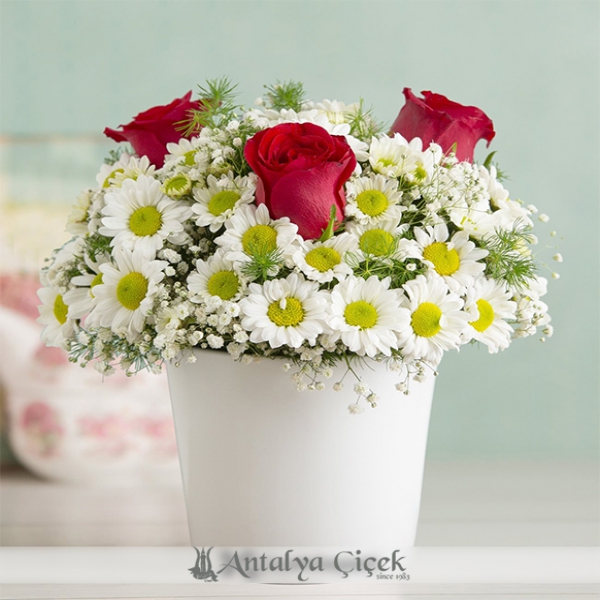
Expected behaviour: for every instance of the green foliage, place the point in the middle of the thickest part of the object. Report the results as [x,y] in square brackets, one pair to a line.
[97,244]
[363,124]
[509,257]
[289,94]
[115,155]
[487,163]
[329,230]
[263,264]
[217,106]
[386,266]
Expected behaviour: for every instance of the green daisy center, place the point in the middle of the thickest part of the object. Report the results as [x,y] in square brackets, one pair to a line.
[224,284]
[323,259]
[286,313]
[131,290]
[222,201]
[145,221]
[189,158]
[377,242]
[486,316]
[111,176]
[96,281]
[60,310]
[446,262]
[260,238]
[178,186]
[372,202]
[425,321]
[361,314]
[420,172]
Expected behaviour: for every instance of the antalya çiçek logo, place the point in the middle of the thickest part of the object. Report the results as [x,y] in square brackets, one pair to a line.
[203,567]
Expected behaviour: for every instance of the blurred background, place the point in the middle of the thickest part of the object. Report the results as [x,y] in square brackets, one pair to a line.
[519,427]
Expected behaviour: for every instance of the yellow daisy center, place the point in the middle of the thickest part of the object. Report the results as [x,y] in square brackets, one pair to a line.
[96,281]
[372,202]
[111,176]
[377,242]
[224,284]
[190,158]
[131,290]
[425,321]
[178,186]
[260,238]
[60,310]
[486,316]
[222,201]
[286,313]
[420,172]
[445,262]
[145,221]
[323,259]
[361,314]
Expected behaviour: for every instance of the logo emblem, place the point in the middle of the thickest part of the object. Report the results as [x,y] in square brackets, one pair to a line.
[203,568]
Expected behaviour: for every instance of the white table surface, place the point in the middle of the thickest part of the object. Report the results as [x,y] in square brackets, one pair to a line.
[464,504]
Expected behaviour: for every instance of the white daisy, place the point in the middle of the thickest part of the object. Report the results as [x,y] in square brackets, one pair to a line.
[489,304]
[215,277]
[373,199]
[221,198]
[127,167]
[252,230]
[186,156]
[140,217]
[127,292]
[81,299]
[396,157]
[456,259]
[366,316]
[437,320]
[324,261]
[378,240]
[284,311]
[59,327]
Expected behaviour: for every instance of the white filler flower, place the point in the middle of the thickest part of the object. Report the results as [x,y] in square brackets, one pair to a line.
[367,315]
[489,304]
[140,217]
[127,292]
[284,311]
[437,320]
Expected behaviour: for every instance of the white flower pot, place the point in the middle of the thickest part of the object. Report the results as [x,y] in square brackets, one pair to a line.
[265,465]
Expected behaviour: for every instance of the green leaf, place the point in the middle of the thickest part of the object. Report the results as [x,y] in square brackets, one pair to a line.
[330,229]
[487,163]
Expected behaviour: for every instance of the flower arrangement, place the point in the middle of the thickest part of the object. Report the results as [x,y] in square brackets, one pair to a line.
[295,230]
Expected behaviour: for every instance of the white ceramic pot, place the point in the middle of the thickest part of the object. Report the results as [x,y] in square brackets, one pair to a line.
[265,465]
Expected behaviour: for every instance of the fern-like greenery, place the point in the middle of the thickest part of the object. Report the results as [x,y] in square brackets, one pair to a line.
[217,100]
[287,94]
[509,257]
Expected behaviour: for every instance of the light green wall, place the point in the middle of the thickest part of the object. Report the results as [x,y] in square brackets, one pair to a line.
[73,67]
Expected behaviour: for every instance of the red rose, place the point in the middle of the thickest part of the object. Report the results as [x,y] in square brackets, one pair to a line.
[302,170]
[151,131]
[437,119]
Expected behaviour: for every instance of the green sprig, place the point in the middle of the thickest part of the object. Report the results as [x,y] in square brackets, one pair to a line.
[289,94]
[217,101]
[509,257]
